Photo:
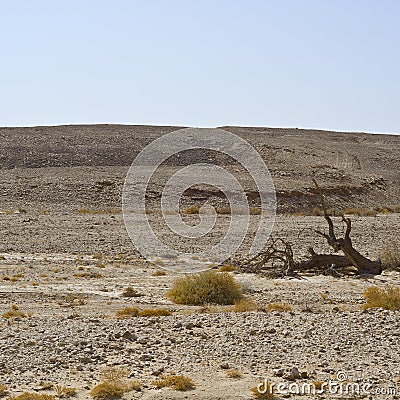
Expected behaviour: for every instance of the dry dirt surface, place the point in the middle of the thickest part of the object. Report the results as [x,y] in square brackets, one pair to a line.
[66,259]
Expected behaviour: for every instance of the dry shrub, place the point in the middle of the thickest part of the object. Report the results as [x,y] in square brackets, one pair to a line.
[33,396]
[390,256]
[387,298]
[244,305]
[191,210]
[318,385]
[88,275]
[134,385]
[361,212]
[114,384]
[14,312]
[3,390]
[65,392]
[159,272]
[280,307]
[128,312]
[130,292]
[176,382]
[113,374]
[227,268]
[108,390]
[208,287]
[155,312]
[234,374]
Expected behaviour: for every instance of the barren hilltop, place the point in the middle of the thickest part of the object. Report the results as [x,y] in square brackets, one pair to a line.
[41,166]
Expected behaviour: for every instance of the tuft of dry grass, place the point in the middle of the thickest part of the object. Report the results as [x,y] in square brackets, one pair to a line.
[159,272]
[64,392]
[387,298]
[390,256]
[113,374]
[108,390]
[114,384]
[128,312]
[32,396]
[14,312]
[244,305]
[191,210]
[361,212]
[155,312]
[318,385]
[280,307]
[88,275]
[234,374]
[176,382]
[208,287]
[3,390]
[227,268]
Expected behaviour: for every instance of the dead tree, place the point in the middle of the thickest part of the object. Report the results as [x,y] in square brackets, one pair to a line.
[275,260]
[364,265]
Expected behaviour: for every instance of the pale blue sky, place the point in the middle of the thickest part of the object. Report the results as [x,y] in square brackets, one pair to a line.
[329,64]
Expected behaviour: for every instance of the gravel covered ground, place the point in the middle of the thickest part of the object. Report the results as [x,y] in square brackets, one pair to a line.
[71,331]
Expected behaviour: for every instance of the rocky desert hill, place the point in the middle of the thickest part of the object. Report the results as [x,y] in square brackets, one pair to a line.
[84,166]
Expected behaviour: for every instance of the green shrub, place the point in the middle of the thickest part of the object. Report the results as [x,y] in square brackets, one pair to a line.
[208,287]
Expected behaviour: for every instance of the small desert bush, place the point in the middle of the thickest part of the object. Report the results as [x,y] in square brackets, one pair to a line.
[14,312]
[88,275]
[3,390]
[244,305]
[361,212]
[64,392]
[227,268]
[390,256]
[191,210]
[176,382]
[208,287]
[108,390]
[128,312]
[387,298]
[155,312]
[159,272]
[280,307]
[33,396]
[114,384]
[114,374]
[318,385]
[234,374]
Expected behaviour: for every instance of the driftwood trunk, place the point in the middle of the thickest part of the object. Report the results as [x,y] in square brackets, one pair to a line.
[364,265]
